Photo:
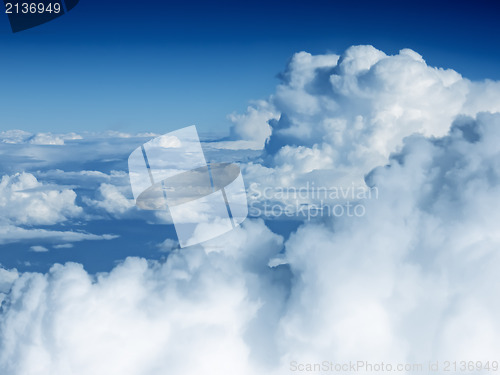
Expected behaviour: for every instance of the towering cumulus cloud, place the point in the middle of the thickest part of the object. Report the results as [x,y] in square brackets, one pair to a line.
[412,280]
[416,277]
[346,114]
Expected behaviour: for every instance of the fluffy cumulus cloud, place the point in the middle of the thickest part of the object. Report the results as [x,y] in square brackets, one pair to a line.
[252,129]
[186,316]
[347,113]
[415,278]
[29,206]
[412,279]
[25,200]
[112,199]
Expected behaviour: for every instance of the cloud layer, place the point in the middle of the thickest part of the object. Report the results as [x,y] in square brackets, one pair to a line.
[413,279]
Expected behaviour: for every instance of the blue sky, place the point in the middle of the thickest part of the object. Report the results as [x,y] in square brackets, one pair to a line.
[158,66]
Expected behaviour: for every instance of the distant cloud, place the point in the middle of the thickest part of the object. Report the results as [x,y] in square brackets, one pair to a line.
[20,136]
[10,234]
[26,203]
[64,246]
[39,249]
[14,136]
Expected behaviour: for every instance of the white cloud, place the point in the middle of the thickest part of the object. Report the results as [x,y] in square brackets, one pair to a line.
[407,274]
[14,136]
[90,179]
[168,245]
[118,134]
[346,114]
[63,246]
[185,316]
[420,267]
[11,233]
[252,128]
[20,136]
[39,249]
[26,203]
[112,199]
[22,201]
[74,156]
[7,278]
[47,139]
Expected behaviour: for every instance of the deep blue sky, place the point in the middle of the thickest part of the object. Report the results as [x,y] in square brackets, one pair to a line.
[156,65]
